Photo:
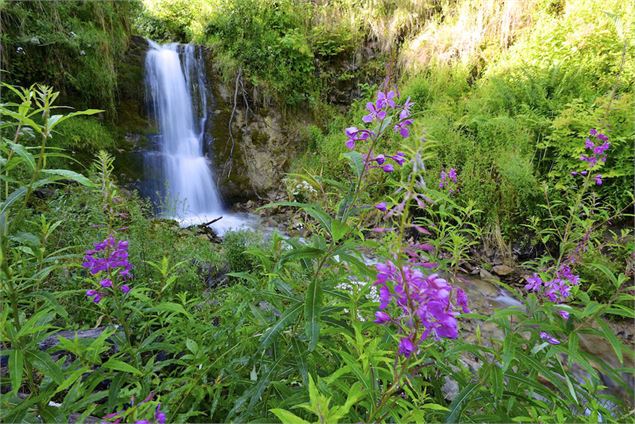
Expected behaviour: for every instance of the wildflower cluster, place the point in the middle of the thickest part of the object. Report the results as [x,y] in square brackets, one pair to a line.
[427,304]
[109,257]
[382,111]
[596,154]
[159,416]
[448,180]
[556,289]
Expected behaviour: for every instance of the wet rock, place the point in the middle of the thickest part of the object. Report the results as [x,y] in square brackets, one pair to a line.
[485,274]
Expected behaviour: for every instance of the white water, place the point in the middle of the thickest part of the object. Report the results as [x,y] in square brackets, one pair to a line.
[175,82]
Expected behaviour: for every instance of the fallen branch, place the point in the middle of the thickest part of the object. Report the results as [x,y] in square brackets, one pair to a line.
[210,222]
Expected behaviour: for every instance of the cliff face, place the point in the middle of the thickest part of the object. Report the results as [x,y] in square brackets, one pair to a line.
[249,147]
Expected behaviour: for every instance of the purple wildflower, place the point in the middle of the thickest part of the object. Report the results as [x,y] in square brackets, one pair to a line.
[402,128]
[95,295]
[109,256]
[388,168]
[381,317]
[534,283]
[564,314]
[354,134]
[461,300]
[425,302]
[448,180]
[598,151]
[159,416]
[381,206]
[376,113]
[549,338]
[125,289]
[384,99]
[406,347]
[399,158]
[556,289]
[598,179]
[114,256]
[405,111]
[452,174]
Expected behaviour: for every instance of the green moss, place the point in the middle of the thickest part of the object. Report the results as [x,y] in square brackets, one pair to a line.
[85,134]
[75,46]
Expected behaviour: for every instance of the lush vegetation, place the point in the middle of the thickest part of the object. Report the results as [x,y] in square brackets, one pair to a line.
[478,126]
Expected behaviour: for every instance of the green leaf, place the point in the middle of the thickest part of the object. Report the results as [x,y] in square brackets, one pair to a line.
[457,405]
[302,253]
[287,417]
[615,343]
[497,374]
[312,306]
[22,152]
[16,367]
[568,380]
[71,379]
[12,198]
[289,315]
[338,230]
[44,363]
[191,345]
[356,161]
[55,120]
[70,175]
[117,365]
[172,307]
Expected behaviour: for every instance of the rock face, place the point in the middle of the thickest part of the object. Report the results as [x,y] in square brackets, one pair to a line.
[250,146]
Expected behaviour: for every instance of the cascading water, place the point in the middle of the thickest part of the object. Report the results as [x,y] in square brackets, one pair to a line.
[175,80]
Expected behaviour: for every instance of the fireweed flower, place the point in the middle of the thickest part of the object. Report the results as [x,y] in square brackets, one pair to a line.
[448,180]
[402,128]
[598,179]
[376,112]
[549,338]
[557,289]
[354,135]
[384,99]
[594,153]
[111,257]
[405,111]
[426,304]
[399,158]
[108,255]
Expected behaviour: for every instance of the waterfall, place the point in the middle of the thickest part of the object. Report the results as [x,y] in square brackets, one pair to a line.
[177,97]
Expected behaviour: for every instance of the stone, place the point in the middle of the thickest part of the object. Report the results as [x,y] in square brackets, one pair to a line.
[450,389]
[502,270]
[485,274]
